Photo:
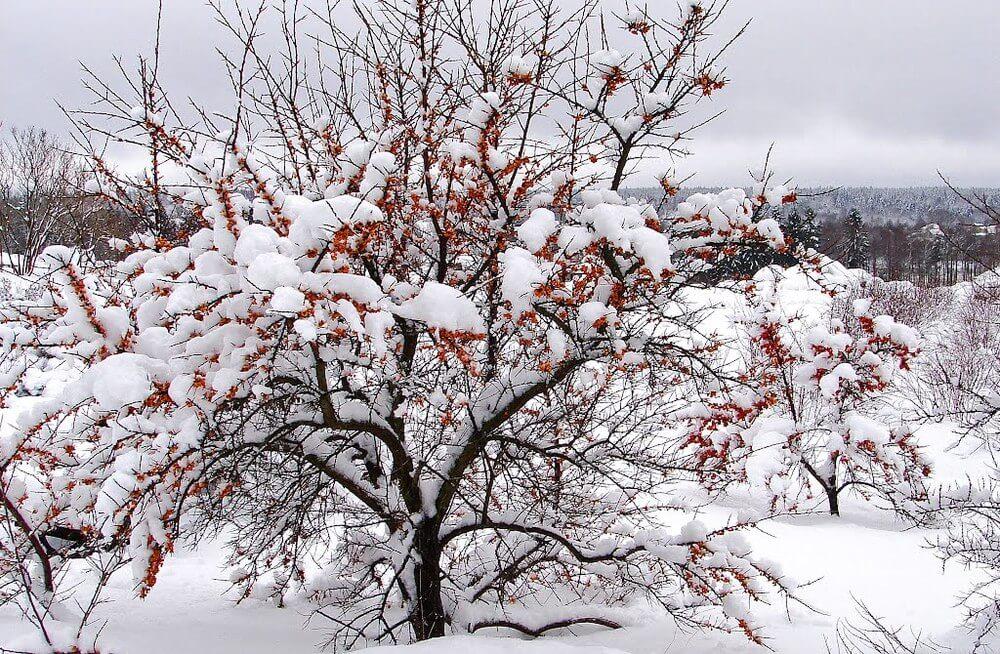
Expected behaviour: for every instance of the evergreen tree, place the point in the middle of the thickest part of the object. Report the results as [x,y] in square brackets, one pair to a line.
[933,253]
[754,257]
[798,228]
[856,248]
[808,230]
[801,228]
[791,223]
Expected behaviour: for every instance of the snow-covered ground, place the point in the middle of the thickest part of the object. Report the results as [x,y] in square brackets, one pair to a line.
[862,556]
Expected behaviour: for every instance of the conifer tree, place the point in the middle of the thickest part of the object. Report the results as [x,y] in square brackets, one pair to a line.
[807,230]
[855,247]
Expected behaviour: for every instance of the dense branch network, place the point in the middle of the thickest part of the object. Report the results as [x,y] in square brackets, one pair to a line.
[415,352]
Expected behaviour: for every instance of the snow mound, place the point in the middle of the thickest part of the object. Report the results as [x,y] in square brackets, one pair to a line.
[443,307]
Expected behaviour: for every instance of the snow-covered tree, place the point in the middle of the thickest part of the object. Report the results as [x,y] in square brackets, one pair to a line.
[855,247]
[39,196]
[802,228]
[814,420]
[416,358]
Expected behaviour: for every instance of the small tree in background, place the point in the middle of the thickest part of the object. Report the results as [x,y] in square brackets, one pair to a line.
[855,249]
[814,421]
[39,184]
[830,386]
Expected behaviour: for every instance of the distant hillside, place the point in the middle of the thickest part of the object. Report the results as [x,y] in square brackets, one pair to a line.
[917,206]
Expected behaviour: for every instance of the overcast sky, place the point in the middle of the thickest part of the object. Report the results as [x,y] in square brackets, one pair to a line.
[851,92]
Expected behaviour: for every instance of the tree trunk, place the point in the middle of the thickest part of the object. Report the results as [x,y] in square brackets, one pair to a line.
[428,619]
[828,484]
[832,496]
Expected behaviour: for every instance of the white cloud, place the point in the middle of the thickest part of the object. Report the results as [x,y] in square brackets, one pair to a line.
[850,91]
[838,153]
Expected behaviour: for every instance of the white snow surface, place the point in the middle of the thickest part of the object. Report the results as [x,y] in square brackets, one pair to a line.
[861,555]
[864,555]
[443,307]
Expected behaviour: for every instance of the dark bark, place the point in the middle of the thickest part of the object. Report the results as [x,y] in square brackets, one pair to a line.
[829,486]
[33,539]
[428,618]
[833,498]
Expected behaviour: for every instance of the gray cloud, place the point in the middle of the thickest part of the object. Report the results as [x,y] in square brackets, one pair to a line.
[849,91]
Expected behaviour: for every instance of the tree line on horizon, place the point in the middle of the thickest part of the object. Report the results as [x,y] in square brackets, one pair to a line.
[923,240]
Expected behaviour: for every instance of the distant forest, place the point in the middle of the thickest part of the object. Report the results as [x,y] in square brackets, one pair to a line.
[929,236]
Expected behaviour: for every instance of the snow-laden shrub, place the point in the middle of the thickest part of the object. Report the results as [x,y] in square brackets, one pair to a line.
[958,382]
[918,306]
[416,358]
[814,416]
[959,376]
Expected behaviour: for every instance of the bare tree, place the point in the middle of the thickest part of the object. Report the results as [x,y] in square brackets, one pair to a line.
[869,634]
[39,195]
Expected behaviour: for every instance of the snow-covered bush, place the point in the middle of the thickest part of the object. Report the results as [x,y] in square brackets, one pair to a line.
[960,377]
[917,306]
[38,549]
[36,554]
[416,359]
[812,416]
[960,382]
[970,515]
[867,633]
